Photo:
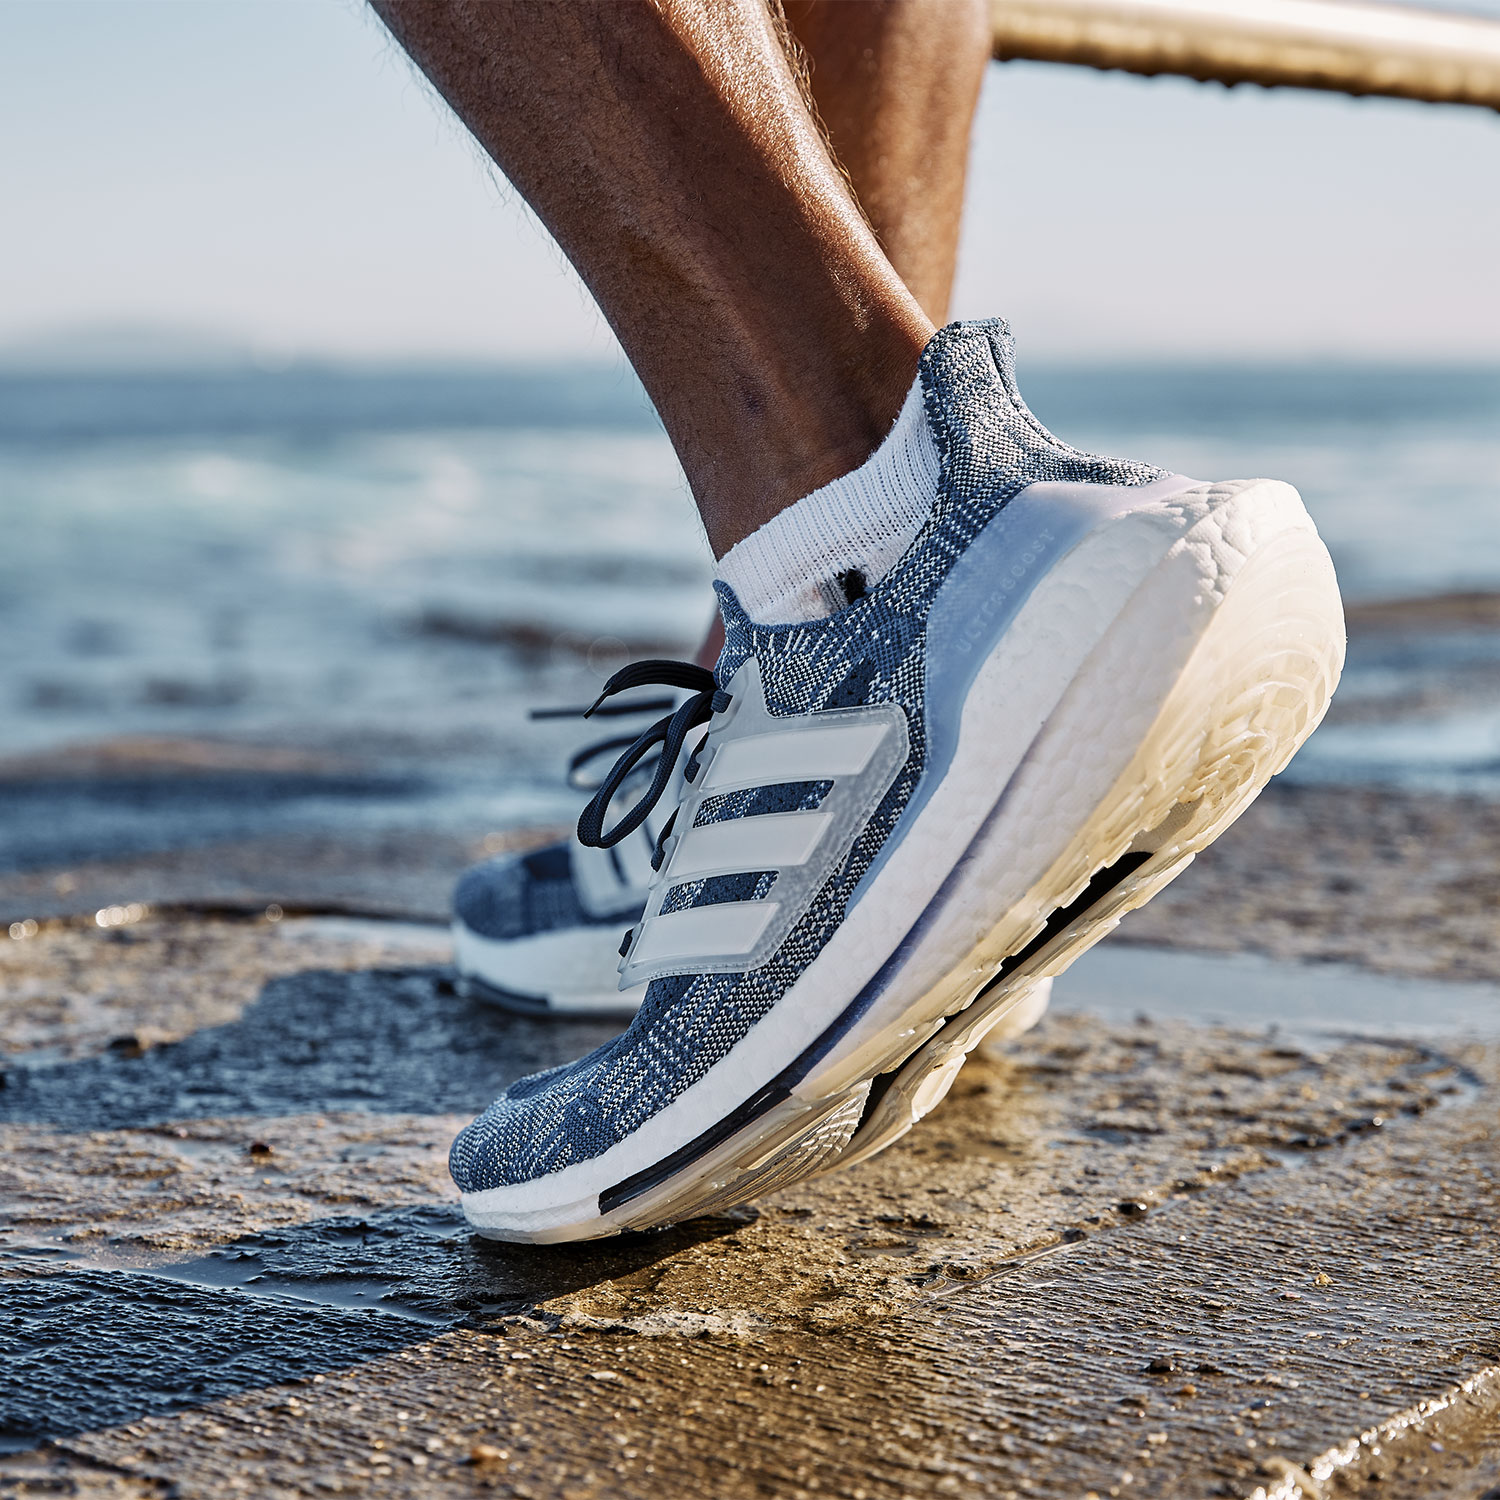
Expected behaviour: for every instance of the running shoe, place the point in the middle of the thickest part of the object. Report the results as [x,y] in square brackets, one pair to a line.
[1080,673]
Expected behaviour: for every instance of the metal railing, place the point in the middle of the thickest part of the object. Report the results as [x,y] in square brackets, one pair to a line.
[1349,48]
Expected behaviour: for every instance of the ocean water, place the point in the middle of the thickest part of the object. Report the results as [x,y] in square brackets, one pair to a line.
[396,565]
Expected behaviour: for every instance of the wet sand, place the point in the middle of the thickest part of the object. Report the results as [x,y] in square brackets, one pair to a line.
[1144,1256]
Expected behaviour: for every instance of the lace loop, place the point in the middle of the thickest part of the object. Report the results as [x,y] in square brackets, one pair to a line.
[670,733]
[677,674]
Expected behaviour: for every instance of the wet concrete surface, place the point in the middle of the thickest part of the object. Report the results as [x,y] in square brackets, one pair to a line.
[1150,1255]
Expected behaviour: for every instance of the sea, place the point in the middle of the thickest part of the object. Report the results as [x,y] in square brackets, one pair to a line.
[394,566]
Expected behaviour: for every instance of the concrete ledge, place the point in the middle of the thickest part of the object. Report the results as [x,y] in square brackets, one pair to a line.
[1124,1258]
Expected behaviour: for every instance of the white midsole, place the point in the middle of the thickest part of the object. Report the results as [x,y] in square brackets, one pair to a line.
[563,967]
[1188,547]
[1118,683]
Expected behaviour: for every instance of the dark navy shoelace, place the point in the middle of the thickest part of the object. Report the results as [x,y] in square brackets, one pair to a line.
[669,733]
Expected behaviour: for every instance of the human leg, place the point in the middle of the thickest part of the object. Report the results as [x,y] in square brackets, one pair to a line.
[895,84]
[669,150]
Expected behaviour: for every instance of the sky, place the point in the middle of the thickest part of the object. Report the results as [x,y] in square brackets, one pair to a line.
[272,173]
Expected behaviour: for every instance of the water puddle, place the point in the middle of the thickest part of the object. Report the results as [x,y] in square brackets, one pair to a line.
[1120,981]
[389,1264]
[246,1272]
[30,1256]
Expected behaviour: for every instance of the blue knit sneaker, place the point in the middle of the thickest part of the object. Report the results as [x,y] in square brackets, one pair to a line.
[1079,673]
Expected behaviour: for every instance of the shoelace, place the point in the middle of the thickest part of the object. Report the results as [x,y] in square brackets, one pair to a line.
[669,732]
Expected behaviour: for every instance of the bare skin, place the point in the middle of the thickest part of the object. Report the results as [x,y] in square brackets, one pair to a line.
[895,84]
[667,146]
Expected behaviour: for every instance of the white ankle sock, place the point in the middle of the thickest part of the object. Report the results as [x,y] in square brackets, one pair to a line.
[821,553]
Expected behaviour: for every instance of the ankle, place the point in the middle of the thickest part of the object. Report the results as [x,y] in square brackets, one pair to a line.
[833,545]
[796,431]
